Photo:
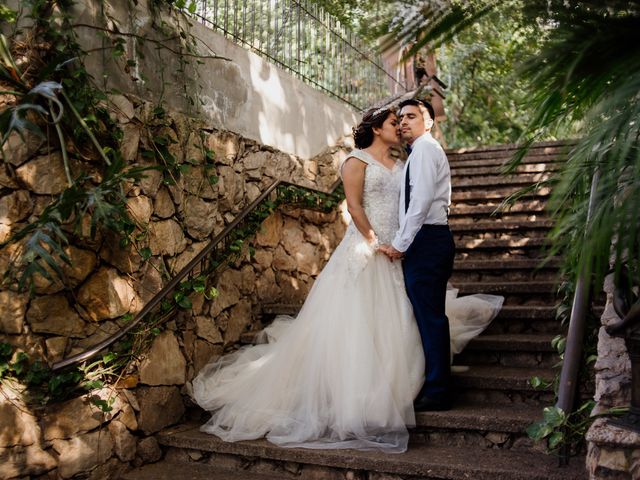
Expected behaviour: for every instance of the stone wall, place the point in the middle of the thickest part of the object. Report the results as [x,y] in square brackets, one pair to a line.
[613,452]
[106,281]
[240,90]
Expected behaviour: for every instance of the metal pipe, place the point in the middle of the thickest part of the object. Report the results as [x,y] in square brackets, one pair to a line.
[575,335]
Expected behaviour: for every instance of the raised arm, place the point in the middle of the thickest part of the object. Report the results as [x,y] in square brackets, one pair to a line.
[353,171]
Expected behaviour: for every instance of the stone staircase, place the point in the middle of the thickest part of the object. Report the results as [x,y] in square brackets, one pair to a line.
[483,436]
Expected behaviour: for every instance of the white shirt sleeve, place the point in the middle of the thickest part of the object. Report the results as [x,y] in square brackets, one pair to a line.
[423,178]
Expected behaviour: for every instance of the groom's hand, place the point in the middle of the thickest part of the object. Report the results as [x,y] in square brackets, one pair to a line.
[391,252]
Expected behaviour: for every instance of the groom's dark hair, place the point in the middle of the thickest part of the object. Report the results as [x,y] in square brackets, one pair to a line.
[418,103]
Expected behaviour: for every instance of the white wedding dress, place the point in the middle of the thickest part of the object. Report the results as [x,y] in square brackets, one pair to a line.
[344,373]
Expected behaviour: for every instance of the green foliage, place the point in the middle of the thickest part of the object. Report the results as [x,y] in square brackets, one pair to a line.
[584,76]
[7,15]
[487,101]
[64,97]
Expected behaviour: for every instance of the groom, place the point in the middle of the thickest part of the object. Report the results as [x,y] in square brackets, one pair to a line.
[425,241]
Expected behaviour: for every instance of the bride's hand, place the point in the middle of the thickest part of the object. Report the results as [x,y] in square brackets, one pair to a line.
[390,252]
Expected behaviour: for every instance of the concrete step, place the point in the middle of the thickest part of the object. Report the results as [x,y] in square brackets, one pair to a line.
[540,167]
[515,293]
[506,287]
[522,180]
[512,247]
[482,417]
[503,385]
[531,350]
[492,208]
[498,377]
[525,319]
[510,269]
[506,152]
[524,210]
[421,461]
[513,342]
[167,470]
[482,194]
[484,226]
[501,163]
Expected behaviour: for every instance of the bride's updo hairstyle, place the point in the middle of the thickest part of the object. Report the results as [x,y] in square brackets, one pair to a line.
[372,118]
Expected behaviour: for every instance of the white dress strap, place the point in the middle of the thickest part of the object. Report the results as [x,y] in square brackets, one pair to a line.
[360,155]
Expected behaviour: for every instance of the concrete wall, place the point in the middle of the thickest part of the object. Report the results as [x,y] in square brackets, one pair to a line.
[244,94]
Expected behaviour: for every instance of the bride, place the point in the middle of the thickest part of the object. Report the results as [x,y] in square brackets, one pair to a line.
[345,372]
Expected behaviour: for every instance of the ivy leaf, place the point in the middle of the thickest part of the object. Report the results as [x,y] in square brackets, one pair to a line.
[19,365]
[192,7]
[553,416]
[109,357]
[103,405]
[538,430]
[93,384]
[145,253]
[6,351]
[185,302]
[555,439]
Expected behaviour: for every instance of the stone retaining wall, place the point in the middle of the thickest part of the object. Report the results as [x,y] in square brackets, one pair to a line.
[106,281]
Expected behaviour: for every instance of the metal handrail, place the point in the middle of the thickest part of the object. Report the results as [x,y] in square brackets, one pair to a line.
[219,240]
[575,336]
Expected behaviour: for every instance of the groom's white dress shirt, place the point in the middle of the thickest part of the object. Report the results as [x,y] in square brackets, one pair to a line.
[430,183]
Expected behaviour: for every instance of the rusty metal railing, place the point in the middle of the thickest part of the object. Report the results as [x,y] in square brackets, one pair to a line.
[302,38]
[220,248]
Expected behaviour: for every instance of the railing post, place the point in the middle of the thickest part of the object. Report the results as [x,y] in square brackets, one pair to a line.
[575,336]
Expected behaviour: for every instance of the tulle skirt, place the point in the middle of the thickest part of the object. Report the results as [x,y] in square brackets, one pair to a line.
[342,374]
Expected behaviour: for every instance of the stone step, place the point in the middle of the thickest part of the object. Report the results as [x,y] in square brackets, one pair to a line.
[167,470]
[513,342]
[525,319]
[507,152]
[479,425]
[516,247]
[484,226]
[506,266]
[483,170]
[482,194]
[510,349]
[493,161]
[493,209]
[515,293]
[503,385]
[497,377]
[483,417]
[506,287]
[522,180]
[505,242]
[421,461]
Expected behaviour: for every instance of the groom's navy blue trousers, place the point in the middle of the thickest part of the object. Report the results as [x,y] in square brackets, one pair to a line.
[428,264]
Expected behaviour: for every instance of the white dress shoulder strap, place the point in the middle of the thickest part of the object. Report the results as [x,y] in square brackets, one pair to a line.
[360,155]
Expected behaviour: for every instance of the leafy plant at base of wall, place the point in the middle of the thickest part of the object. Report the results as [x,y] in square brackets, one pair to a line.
[557,428]
[77,117]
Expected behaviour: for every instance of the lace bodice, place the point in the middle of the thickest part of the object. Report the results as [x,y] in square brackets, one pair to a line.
[381,196]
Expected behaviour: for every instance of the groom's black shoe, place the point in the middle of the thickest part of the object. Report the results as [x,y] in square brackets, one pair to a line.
[429,404]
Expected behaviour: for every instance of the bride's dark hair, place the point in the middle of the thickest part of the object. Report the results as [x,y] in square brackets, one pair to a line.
[372,118]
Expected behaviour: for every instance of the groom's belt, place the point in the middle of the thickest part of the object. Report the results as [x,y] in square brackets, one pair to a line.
[431,226]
